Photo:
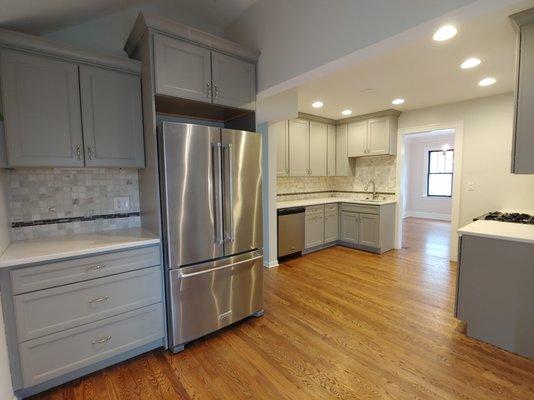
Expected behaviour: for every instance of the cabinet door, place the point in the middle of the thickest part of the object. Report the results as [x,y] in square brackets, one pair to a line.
[331,229]
[112,118]
[314,231]
[298,147]
[357,139]
[379,136]
[523,145]
[280,131]
[234,81]
[331,157]
[349,227]
[41,100]
[318,148]
[182,69]
[342,159]
[369,230]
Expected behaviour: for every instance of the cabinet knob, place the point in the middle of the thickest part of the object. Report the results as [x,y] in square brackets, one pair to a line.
[216,91]
[208,89]
[89,153]
[78,152]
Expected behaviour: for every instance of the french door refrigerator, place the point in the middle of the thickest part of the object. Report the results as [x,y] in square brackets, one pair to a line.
[212,219]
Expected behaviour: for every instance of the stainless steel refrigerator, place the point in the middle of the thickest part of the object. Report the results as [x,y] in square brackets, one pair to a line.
[212,219]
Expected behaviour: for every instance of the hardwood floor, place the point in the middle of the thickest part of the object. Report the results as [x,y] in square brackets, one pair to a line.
[338,323]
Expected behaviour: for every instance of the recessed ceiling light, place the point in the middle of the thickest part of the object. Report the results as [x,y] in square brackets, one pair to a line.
[346,112]
[446,32]
[317,104]
[487,81]
[398,101]
[470,63]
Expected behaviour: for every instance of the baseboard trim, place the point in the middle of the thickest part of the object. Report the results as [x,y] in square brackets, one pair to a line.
[270,264]
[427,215]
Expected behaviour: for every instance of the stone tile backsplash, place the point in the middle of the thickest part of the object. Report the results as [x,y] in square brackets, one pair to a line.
[380,168]
[37,194]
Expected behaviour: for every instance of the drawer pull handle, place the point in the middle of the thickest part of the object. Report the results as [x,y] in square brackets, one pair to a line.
[97,268]
[102,340]
[99,300]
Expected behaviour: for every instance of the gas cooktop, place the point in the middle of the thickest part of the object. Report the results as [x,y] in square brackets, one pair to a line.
[519,218]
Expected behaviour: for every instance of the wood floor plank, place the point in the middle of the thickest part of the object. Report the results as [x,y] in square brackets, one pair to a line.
[338,324]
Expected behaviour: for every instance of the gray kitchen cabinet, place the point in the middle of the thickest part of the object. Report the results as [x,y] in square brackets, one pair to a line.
[111,118]
[349,227]
[523,143]
[233,81]
[42,111]
[70,317]
[318,143]
[343,167]
[299,147]
[280,130]
[368,230]
[357,138]
[314,226]
[331,151]
[182,69]
[373,136]
[331,223]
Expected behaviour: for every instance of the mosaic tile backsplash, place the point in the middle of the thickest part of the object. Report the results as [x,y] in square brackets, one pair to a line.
[44,194]
[380,168]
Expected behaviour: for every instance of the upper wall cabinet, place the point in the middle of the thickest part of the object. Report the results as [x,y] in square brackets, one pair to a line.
[112,118]
[331,157]
[299,147]
[523,145]
[233,80]
[280,130]
[61,112]
[182,69]
[373,136]
[194,72]
[42,111]
[343,167]
[318,148]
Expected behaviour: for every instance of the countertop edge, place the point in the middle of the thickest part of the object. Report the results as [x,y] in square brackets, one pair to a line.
[311,202]
[57,256]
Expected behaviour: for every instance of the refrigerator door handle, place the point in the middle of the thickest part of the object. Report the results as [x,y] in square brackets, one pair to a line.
[217,193]
[229,170]
[207,271]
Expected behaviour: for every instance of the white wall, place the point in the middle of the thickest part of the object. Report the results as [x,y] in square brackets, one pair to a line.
[417,203]
[298,36]
[109,33]
[6,390]
[487,147]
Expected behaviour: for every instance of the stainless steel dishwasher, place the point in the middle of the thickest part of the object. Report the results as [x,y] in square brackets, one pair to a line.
[290,231]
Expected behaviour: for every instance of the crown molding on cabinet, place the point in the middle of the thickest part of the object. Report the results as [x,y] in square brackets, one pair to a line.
[35,44]
[311,117]
[377,114]
[181,31]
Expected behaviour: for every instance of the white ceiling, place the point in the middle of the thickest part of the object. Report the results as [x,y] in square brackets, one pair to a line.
[45,16]
[424,72]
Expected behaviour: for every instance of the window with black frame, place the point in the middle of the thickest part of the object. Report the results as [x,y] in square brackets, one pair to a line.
[440,173]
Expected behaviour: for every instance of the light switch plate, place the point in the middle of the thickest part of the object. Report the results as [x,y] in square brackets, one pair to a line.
[470,186]
[121,203]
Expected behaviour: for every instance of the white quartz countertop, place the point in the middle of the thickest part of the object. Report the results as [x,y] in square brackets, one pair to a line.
[329,200]
[500,230]
[41,250]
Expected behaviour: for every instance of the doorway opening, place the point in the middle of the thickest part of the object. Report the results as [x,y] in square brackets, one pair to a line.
[428,168]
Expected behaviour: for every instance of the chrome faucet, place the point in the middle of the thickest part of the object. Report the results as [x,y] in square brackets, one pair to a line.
[375,195]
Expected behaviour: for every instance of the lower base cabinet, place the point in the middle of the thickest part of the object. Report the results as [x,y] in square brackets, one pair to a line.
[349,227]
[70,317]
[331,224]
[314,227]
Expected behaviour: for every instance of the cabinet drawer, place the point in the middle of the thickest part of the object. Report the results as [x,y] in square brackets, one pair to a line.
[315,209]
[330,207]
[360,208]
[64,272]
[52,310]
[60,353]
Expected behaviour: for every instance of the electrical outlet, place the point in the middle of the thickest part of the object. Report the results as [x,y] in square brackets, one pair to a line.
[121,203]
[470,186]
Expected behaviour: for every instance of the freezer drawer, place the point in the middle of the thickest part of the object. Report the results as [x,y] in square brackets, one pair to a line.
[213,295]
